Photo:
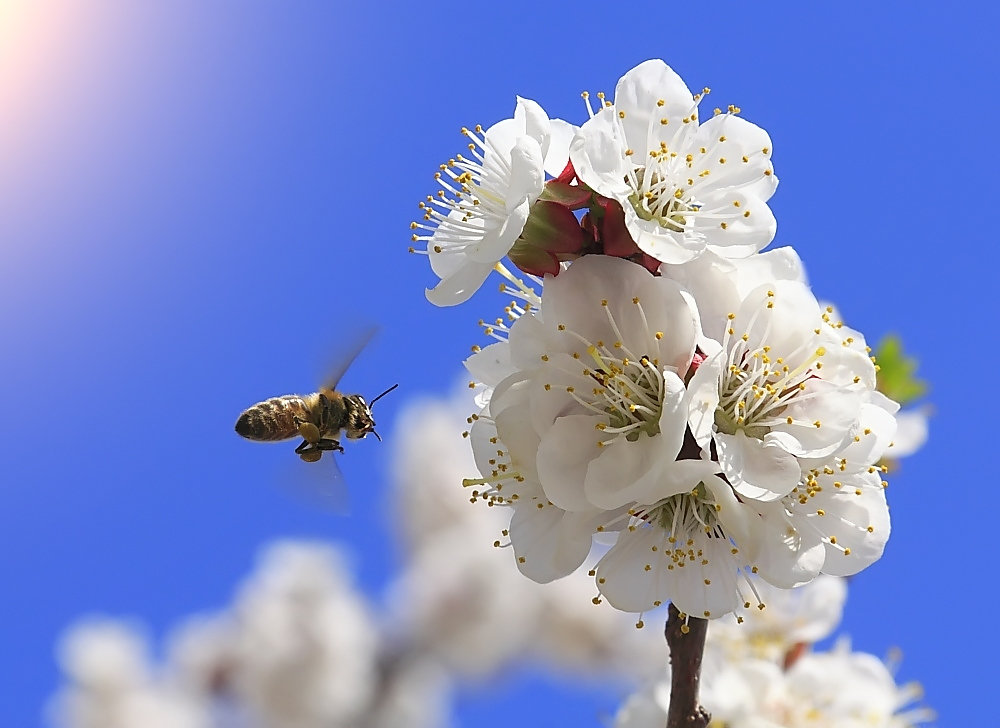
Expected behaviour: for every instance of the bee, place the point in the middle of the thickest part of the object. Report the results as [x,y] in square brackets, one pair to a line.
[318,418]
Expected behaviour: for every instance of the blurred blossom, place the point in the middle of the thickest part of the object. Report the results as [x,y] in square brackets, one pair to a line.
[415,693]
[305,642]
[790,618]
[746,683]
[299,648]
[111,684]
[911,433]
[838,689]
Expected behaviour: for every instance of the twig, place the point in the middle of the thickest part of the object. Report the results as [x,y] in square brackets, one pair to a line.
[686,640]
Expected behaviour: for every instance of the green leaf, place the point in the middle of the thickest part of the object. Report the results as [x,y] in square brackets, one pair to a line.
[897,374]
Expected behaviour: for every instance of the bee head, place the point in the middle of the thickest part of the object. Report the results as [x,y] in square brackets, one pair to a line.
[359,415]
[359,418]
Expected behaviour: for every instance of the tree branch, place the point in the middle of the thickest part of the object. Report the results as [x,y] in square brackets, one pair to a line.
[686,640]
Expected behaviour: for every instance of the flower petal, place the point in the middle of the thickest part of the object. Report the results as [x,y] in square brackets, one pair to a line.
[548,542]
[563,458]
[759,469]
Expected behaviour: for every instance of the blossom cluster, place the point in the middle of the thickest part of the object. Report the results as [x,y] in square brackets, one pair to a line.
[765,674]
[659,386]
[299,647]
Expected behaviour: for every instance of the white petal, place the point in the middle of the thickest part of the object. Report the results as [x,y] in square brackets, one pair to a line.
[522,442]
[641,472]
[788,556]
[742,140]
[490,365]
[526,174]
[548,542]
[622,575]
[557,154]
[574,299]
[707,586]
[857,516]
[498,240]
[638,96]
[729,230]
[876,431]
[459,285]
[911,433]
[533,119]
[564,454]
[703,398]
[598,155]
[760,470]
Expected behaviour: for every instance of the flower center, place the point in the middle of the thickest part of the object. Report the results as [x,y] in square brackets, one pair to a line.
[658,199]
[630,386]
[686,513]
[756,387]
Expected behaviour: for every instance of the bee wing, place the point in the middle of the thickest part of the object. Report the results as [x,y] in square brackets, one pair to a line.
[323,484]
[346,356]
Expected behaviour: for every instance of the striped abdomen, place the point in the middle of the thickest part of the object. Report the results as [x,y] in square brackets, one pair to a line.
[273,419]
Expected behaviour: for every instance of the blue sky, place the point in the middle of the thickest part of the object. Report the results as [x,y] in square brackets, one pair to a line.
[195,199]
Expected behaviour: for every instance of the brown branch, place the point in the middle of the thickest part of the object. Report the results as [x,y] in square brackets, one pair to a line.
[686,640]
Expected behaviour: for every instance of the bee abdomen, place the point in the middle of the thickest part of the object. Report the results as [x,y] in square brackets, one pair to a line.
[273,419]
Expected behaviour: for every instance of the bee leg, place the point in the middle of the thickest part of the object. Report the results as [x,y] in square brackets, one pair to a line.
[328,444]
[309,451]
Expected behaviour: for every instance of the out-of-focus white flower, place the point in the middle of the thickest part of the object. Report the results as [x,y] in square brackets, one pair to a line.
[415,693]
[462,602]
[306,647]
[685,186]
[429,459]
[790,619]
[485,200]
[112,686]
[911,433]
[838,689]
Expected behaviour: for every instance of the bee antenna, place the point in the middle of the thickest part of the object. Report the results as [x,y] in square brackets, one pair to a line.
[380,397]
[376,436]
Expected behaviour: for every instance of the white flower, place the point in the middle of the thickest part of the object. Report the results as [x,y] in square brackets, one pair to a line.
[785,390]
[306,644]
[788,407]
[837,689]
[911,433]
[416,693]
[485,200]
[112,685]
[790,619]
[685,186]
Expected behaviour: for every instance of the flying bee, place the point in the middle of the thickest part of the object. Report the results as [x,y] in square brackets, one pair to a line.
[318,418]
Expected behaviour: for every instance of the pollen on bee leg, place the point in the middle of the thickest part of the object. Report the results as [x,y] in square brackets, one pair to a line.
[309,432]
[311,456]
